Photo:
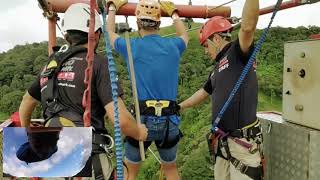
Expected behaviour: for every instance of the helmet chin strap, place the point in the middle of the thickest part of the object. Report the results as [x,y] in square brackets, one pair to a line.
[217,47]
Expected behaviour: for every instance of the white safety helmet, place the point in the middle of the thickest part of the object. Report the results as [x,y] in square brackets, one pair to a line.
[77,17]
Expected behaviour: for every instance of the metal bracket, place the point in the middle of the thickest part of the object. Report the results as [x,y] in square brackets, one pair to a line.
[269,128]
[47,10]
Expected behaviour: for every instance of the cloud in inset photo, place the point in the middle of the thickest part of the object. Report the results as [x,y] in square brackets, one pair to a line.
[74,148]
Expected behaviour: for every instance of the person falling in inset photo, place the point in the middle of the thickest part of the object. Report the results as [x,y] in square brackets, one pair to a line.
[41,145]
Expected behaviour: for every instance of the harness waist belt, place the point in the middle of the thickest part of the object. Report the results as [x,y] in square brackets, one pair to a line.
[250,132]
[102,143]
[100,139]
[158,107]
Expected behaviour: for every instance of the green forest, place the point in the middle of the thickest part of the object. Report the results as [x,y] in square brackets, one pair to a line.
[20,65]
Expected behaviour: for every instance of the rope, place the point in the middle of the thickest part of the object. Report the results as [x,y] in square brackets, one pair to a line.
[192,29]
[86,99]
[114,87]
[246,68]
[161,167]
[60,30]
[154,155]
[211,9]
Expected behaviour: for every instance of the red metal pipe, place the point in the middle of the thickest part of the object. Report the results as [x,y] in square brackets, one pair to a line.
[52,34]
[284,5]
[60,6]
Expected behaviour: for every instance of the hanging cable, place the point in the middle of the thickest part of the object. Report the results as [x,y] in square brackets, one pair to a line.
[60,29]
[246,68]
[189,30]
[211,9]
[114,86]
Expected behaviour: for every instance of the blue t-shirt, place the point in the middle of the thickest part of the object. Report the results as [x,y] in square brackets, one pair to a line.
[156,64]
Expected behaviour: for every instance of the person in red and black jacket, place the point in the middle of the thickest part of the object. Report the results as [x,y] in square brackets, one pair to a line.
[233,161]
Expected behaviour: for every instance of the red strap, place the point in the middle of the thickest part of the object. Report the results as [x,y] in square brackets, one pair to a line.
[86,100]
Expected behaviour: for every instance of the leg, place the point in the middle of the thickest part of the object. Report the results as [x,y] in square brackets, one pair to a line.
[171,171]
[168,161]
[221,169]
[132,160]
[133,170]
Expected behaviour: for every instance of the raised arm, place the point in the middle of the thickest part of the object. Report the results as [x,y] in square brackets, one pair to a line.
[169,8]
[197,98]
[250,15]
[26,108]
[113,7]
[180,28]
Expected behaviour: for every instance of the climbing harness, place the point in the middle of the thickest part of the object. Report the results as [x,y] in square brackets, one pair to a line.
[101,144]
[114,86]
[159,108]
[255,173]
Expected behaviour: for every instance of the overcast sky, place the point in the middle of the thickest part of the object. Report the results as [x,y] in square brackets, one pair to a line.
[22,21]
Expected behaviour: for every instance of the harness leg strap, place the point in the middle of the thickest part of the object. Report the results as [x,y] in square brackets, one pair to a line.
[254,173]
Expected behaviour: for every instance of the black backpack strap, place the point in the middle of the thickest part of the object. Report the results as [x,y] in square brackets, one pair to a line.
[53,67]
[60,57]
[98,172]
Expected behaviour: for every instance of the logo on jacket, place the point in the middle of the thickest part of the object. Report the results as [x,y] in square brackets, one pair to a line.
[223,64]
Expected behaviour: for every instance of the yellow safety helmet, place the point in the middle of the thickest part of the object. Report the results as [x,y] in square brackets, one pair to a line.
[148,9]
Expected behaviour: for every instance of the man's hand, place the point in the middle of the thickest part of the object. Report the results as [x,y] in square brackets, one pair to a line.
[117,3]
[180,108]
[143,132]
[168,7]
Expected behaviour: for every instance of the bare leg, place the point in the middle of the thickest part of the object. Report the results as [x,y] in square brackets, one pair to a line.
[171,171]
[133,170]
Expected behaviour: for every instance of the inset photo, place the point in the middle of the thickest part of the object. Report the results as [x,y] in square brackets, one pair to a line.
[47,152]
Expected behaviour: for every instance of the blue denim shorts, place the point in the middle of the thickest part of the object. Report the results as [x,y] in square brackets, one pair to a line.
[156,132]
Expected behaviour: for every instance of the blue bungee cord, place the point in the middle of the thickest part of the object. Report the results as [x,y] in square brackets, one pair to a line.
[246,69]
[114,87]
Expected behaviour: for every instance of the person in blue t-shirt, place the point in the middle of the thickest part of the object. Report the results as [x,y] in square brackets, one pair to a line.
[156,62]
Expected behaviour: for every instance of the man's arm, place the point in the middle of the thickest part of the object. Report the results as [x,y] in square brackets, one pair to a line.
[250,15]
[127,123]
[197,98]
[180,28]
[169,8]
[26,108]
[111,24]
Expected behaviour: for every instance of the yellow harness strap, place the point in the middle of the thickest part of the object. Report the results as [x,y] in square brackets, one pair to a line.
[157,105]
